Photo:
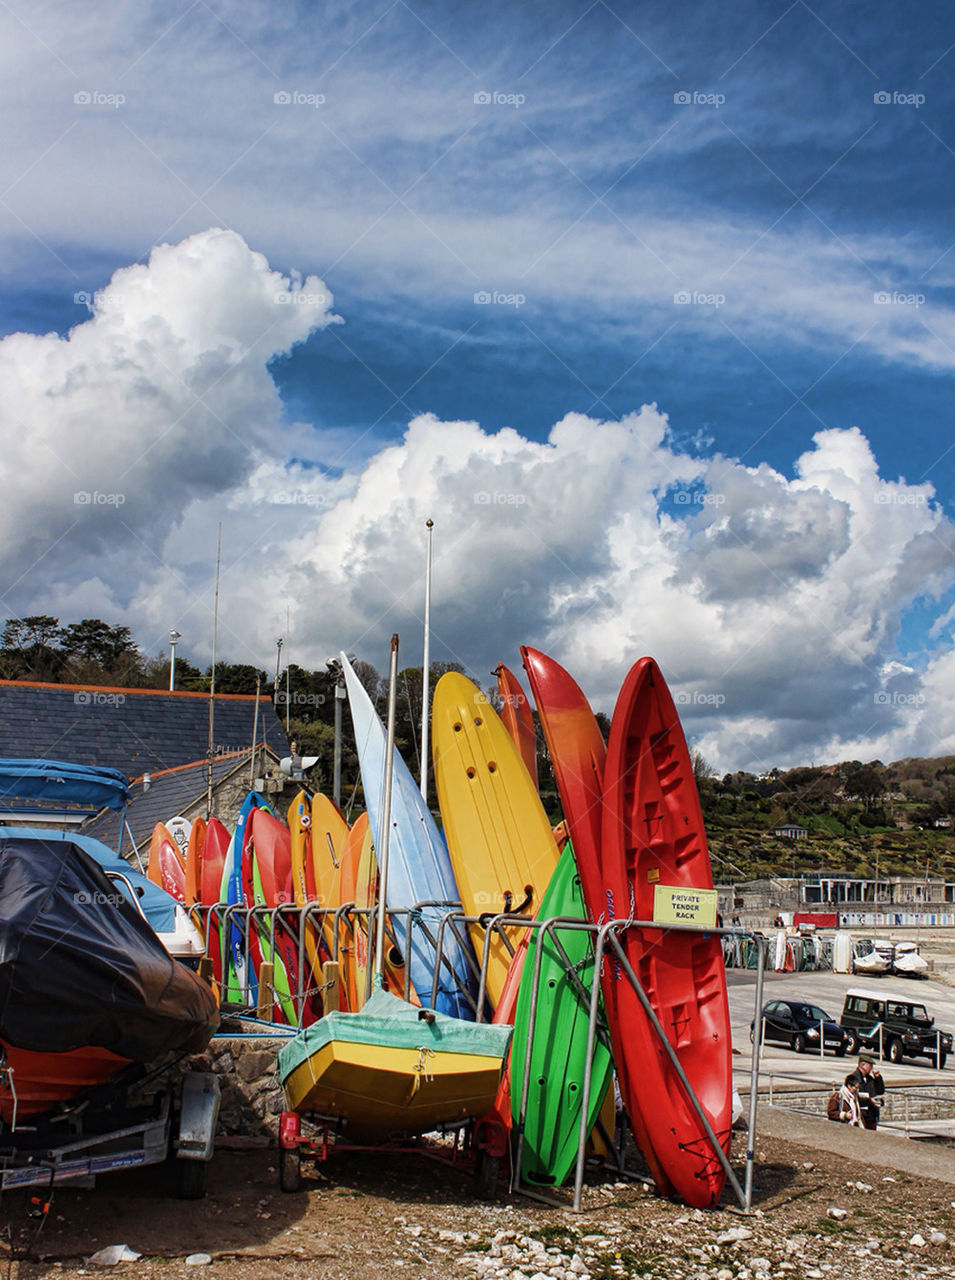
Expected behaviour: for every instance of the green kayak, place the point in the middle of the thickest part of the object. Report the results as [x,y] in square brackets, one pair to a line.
[558,1056]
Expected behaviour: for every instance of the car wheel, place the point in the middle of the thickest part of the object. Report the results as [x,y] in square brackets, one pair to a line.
[842,1051]
[895,1050]
[799,1042]
[852,1043]
[942,1058]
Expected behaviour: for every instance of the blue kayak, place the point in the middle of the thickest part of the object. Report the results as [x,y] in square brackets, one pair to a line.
[419,867]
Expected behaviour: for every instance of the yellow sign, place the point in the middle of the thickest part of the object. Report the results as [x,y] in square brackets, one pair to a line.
[672,905]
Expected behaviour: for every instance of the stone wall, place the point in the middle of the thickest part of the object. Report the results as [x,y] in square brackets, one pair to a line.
[252,1095]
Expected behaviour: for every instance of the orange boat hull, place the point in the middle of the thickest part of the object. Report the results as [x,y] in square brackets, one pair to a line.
[43,1079]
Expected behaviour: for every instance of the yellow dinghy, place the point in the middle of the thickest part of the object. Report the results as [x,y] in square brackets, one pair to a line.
[394,1068]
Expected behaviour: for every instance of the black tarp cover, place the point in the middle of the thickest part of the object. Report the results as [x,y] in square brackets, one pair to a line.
[79,965]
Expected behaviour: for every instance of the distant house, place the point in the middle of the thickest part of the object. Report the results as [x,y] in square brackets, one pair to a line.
[137,731]
[159,740]
[183,792]
[943,822]
[791,833]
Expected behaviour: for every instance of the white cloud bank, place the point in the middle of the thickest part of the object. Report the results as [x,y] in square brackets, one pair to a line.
[772,604]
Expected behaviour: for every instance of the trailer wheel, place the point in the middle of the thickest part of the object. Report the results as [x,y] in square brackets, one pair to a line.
[852,1043]
[485,1175]
[191,1176]
[290,1169]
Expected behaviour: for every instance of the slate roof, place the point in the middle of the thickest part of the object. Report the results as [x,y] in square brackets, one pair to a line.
[170,793]
[134,730]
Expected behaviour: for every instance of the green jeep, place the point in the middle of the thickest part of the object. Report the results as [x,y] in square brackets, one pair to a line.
[899,1027]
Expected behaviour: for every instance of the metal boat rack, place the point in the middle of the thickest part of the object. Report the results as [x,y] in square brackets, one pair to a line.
[335,924]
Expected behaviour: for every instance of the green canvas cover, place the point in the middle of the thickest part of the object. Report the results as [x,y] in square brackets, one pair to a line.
[394,1024]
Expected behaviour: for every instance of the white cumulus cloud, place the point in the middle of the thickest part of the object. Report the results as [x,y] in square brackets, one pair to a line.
[160,398]
[773,603]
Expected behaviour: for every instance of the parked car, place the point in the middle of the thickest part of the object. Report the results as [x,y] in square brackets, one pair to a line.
[799,1024]
[899,1026]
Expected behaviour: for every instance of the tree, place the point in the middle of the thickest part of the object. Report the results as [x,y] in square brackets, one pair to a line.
[866,783]
[29,648]
[235,677]
[98,642]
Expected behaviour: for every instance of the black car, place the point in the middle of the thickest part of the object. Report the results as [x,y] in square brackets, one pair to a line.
[798,1024]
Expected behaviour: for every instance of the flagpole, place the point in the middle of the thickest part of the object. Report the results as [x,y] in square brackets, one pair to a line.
[426,668]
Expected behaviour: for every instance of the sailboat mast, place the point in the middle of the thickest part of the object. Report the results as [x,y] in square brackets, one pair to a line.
[386,815]
[212,677]
[426,669]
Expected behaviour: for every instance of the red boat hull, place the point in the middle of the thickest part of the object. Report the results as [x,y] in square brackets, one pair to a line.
[214,850]
[577,754]
[517,717]
[41,1080]
[652,833]
[578,757]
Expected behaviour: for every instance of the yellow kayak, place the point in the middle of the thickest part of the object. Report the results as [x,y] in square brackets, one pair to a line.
[501,844]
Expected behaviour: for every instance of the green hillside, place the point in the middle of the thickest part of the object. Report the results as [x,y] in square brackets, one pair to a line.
[857,816]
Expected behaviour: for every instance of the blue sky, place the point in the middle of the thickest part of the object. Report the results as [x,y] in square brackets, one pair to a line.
[522,212]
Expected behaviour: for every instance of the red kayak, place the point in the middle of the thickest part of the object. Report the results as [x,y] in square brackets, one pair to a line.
[271,856]
[215,846]
[652,833]
[577,754]
[166,866]
[517,717]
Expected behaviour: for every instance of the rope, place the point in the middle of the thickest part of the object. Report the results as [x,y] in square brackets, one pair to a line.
[422,1069]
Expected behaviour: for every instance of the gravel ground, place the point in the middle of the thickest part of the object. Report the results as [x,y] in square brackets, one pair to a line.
[362,1215]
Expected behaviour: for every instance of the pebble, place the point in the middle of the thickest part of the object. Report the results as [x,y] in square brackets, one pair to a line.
[917,1241]
[198,1260]
[838,1214]
[938,1237]
[734,1235]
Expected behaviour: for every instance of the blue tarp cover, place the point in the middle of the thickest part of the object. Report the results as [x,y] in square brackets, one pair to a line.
[44,786]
